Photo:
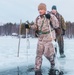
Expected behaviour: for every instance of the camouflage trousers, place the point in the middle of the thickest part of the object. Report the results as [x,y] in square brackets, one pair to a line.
[60,41]
[46,49]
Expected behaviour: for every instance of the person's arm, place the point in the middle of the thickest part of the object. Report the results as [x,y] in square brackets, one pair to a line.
[54,21]
[63,23]
[32,26]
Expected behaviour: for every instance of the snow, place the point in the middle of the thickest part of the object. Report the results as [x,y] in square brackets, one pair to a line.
[9,49]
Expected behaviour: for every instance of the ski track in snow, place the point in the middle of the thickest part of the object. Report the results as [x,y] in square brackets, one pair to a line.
[9,59]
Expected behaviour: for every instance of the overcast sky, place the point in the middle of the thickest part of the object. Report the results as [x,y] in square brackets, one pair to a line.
[14,10]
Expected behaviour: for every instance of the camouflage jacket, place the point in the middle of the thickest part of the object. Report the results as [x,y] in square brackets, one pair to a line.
[61,21]
[62,24]
[46,25]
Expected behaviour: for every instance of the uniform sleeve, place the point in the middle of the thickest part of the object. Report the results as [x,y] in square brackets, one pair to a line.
[34,26]
[54,21]
[63,23]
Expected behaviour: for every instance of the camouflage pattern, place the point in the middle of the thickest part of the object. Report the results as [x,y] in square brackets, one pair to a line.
[45,46]
[60,41]
[59,36]
[62,23]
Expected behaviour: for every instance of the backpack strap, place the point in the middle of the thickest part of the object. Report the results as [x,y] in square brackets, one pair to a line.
[48,12]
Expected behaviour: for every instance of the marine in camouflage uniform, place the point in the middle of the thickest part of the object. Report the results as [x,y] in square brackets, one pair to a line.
[60,32]
[45,46]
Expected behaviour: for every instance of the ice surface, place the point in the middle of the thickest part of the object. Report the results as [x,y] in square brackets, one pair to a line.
[9,59]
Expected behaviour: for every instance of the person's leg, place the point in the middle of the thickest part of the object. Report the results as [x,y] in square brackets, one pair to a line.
[61,46]
[38,61]
[49,53]
[52,61]
[38,73]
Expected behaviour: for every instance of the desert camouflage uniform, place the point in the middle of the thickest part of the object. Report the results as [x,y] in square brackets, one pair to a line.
[45,46]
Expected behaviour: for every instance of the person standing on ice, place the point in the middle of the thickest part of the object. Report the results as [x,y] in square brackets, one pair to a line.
[45,46]
[59,32]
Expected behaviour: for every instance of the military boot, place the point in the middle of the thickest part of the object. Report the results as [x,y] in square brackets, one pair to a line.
[38,72]
[62,56]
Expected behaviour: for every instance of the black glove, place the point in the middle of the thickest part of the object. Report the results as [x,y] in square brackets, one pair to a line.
[48,16]
[63,32]
[27,26]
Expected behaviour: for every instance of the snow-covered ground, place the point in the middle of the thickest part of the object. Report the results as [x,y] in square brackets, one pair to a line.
[9,59]
[9,50]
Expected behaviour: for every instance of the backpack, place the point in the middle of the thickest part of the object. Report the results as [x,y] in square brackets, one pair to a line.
[57,30]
